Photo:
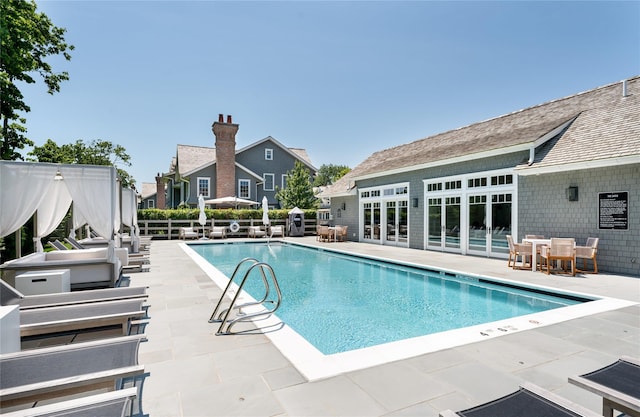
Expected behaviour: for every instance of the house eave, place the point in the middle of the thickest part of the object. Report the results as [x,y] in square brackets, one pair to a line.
[463,158]
[598,163]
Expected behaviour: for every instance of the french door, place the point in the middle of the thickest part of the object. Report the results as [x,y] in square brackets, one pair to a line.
[396,226]
[444,222]
[490,218]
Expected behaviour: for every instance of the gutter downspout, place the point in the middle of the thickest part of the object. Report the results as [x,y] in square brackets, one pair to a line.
[532,155]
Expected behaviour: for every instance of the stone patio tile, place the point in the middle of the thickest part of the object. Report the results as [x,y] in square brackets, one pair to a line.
[399,385]
[338,396]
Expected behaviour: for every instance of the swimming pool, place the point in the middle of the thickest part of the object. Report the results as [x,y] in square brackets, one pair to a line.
[341,303]
[313,364]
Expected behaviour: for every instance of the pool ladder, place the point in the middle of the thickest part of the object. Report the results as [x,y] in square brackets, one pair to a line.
[268,276]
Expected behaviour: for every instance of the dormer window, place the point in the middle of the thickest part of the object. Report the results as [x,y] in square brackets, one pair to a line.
[268,154]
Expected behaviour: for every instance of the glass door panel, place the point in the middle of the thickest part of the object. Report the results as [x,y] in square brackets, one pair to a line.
[477,227]
[367,217]
[390,231]
[501,218]
[403,221]
[452,222]
[434,223]
[376,221]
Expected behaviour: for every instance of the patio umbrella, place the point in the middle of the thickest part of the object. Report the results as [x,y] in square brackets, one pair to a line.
[231,202]
[202,219]
[265,211]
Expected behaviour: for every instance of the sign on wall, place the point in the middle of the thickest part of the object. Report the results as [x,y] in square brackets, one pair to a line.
[613,210]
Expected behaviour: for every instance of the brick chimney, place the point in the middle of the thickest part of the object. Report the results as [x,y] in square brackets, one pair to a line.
[225,156]
[160,197]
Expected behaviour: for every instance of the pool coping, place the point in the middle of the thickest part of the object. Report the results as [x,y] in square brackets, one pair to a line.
[314,365]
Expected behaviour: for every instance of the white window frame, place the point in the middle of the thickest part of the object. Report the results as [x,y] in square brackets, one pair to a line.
[241,182]
[273,181]
[151,203]
[208,180]
[268,154]
[284,181]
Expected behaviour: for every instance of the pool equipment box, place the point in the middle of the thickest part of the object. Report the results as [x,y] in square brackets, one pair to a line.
[44,282]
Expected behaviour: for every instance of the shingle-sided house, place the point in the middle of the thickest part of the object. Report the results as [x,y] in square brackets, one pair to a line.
[249,173]
[566,168]
[147,197]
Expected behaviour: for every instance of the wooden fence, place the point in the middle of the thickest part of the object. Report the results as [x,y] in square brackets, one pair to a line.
[169,229]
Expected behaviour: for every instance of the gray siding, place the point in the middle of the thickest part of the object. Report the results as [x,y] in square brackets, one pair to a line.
[544,209]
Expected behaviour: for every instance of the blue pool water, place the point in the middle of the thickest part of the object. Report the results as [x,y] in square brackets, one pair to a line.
[340,303]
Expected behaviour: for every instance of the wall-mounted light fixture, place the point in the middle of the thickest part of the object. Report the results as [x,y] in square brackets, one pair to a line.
[572,193]
[58,176]
[343,206]
[414,201]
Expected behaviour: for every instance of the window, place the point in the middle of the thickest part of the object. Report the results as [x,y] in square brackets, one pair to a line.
[151,204]
[284,181]
[203,186]
[268,154]
[243,187]
[269,181]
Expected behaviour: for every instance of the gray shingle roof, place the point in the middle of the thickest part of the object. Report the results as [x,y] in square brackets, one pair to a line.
[607,125]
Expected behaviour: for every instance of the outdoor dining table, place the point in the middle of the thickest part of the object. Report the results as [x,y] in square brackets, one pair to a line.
[534,250]
[617,384]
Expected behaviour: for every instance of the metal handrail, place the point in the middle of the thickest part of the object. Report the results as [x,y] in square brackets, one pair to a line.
[223,316]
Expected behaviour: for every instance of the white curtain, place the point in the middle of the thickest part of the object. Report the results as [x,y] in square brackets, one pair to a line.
[23,186]
[78,221]
[51,211]
[92,189]
[129,215]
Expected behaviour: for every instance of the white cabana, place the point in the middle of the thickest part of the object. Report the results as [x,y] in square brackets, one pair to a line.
[48,190]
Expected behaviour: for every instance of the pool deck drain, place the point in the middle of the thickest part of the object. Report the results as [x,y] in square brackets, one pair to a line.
[195,373]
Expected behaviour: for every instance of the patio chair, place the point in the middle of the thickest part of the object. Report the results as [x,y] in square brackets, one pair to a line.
[11,296]
[341,233]
[529,401]
[57,245]
[277,231]
[34,375]
[255,231]
[322,233]
[112,403]
[218,231]
[617,384]
[588,251]
[560,249]
[524,251]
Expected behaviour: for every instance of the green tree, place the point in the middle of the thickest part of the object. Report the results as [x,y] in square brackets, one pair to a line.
[299,190]
[27,38]
[97,152]
[328,174]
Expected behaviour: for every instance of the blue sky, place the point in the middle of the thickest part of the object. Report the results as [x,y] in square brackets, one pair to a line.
[340,79]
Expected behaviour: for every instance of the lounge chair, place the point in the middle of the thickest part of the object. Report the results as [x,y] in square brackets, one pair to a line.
[560,249]
[277,231]
[35,375]
[255,231]
[524,251]
[529,401]
[11,296]
[588,251]
[618,384]
[79,317]
[57,245]
[113,403]
[187,233]
[74,243]
[218,231]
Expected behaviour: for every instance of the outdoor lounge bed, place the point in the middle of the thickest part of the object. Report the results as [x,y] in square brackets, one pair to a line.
[11,296]
[529,401]
[37,375]
[89,268]
[618,384]
[112,403]
[79,317]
